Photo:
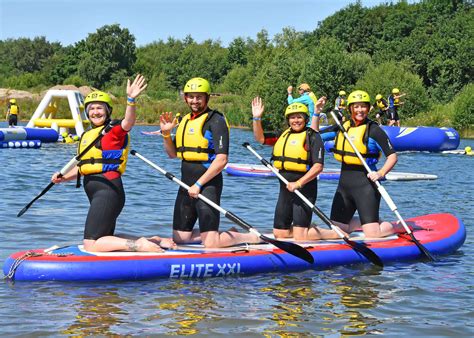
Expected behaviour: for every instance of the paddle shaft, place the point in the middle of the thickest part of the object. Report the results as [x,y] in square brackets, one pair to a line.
[381,189]
[75,160]
[291,248]
[362,249]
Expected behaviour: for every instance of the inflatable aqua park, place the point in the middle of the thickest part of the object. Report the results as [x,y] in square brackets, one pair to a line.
[44,127]
[440,234]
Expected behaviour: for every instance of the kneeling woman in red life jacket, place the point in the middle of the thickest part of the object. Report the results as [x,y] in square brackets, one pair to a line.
[299,155]
[102,167]
[356,190]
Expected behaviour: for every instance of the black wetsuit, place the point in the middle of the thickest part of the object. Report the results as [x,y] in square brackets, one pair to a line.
[290,209]
[187,209]
[355,190]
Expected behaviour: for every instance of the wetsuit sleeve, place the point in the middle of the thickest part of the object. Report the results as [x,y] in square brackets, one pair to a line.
[220,134]
[379,136]
[270,138]
[316,148]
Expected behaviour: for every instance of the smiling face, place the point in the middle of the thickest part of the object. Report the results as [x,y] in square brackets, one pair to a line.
[297,121]
[98,113]
[196,101]
[359,111]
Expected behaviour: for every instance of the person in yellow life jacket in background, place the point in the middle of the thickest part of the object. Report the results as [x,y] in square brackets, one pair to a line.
[340,105]
[393,104]
[382,105]
[299,155]
[202,144]
[12,113]
[356,190]
[102,168]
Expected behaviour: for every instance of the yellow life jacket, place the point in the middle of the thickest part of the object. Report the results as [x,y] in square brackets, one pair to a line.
[381,105]
[13,109]
[359,136]
[289,152]
[396,100]
[191,143]
[97,160]
[342,103]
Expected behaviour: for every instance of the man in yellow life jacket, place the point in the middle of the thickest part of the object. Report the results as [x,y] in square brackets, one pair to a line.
[202,144]
[299,155]
[382,105]
[340,105]
[12,113]
[356,190]
[393,104]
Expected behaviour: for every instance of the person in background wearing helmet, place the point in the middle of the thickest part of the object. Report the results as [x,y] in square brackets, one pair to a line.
[308,98]
[356,190]
[102,168]
[393,104]
[382,105]
[299,155]
[202,144]
[12,113]
[340,105]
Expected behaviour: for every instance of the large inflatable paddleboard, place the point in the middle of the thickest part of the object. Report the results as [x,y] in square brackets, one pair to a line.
[440,234]
[259,170]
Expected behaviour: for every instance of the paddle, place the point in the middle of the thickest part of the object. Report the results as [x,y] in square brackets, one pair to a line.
[384,193]
[68,167]
[360,248]
[291,248]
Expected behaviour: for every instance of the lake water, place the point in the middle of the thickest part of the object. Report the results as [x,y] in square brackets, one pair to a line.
[429,299]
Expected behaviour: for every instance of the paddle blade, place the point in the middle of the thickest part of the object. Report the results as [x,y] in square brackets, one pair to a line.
[422,248]
[22,211]
[365,251]
[291,248]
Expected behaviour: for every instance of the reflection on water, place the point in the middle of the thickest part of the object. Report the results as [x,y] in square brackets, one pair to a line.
[97,313]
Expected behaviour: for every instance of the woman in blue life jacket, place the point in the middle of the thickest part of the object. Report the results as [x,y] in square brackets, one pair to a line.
[356,190]
[299,155]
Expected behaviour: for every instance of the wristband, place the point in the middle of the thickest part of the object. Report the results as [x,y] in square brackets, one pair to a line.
[299,184]
[166,135]
[198,184]
[256,118]
[130,99]
[131,104]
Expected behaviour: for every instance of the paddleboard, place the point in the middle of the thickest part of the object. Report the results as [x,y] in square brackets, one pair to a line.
[259,170]
[440,234]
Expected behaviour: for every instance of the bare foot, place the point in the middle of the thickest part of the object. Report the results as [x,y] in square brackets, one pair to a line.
[166,243]
[144,245]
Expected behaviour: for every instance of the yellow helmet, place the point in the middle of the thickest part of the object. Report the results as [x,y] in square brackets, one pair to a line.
[358,96]
[12,101]
[197,85]
[296,108]
[342,93]
[304,86]
[395,91]
[378,97]
[98,96]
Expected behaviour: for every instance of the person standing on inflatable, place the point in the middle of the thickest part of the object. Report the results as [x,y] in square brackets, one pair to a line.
[340,105]
[308,100]
[102,168]
[299,155]
[12,113]
[202,144]
[356,190]
[382,105]
[393,104]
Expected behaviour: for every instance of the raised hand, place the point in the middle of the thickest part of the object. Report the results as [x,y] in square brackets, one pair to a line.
[167,122]
[135,88]
[257,107]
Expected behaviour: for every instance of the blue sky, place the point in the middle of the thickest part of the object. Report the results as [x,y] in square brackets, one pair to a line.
[69,21]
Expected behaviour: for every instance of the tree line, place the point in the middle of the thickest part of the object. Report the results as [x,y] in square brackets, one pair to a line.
[425,49]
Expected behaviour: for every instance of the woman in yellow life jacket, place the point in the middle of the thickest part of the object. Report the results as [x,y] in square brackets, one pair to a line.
[202,144]
[356,190]
[299,155]
[102,167]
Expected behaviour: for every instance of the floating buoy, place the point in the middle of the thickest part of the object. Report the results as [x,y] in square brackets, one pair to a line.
[20,144]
